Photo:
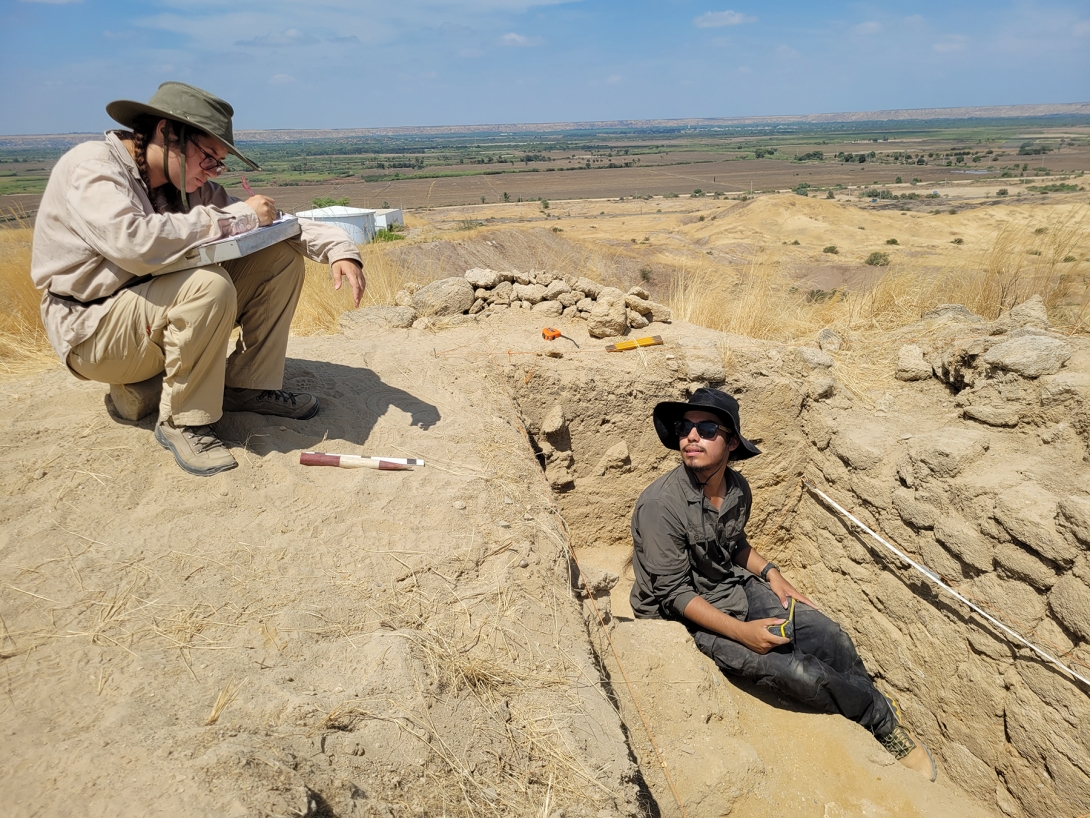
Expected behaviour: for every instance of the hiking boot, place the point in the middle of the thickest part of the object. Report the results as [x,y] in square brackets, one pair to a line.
[910,752]
[195,448]
[276,402]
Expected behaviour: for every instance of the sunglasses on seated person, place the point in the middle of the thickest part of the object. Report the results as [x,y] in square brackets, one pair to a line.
[707,429]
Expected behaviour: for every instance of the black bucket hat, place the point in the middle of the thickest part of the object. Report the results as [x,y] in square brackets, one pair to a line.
[719,403]
[188,105]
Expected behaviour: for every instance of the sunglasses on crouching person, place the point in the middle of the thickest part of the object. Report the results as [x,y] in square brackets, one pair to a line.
[707,429]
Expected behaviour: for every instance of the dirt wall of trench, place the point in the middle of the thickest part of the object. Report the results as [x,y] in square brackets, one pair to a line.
[997,508]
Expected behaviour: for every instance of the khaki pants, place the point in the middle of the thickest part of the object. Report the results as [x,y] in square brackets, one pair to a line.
[180,324]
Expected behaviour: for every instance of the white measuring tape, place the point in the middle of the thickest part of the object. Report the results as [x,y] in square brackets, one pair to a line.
[931,575]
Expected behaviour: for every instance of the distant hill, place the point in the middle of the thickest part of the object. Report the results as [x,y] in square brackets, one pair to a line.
[904,115]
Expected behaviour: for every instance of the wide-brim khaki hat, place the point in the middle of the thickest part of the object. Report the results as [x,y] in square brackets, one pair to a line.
[187,104]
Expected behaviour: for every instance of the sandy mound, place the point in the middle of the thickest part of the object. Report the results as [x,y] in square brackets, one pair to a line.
[282,640]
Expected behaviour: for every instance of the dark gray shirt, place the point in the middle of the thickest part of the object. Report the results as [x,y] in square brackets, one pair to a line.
[683,547]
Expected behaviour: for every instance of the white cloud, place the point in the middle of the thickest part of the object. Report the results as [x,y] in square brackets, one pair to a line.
[513,39]
[951,43]
[867,28]
[613,79]
[914,20]
[786,52]
[1081,29]
[281,79]
[718,19]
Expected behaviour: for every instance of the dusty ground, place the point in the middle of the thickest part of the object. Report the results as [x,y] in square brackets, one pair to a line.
[282,640]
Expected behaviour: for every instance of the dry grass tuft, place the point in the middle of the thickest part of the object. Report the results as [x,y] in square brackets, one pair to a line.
[226,696]
[24,347]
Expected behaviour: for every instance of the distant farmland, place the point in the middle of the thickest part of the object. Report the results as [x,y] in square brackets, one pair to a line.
[430,170]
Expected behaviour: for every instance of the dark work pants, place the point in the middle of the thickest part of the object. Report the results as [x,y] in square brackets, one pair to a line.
[819,668]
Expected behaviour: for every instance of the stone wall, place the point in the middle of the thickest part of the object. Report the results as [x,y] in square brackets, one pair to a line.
[976,468]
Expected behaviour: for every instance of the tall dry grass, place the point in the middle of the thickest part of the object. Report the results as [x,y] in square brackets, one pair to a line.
[1018,262]
[23,345]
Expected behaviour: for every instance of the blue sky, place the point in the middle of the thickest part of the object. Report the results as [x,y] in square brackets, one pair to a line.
[357,63]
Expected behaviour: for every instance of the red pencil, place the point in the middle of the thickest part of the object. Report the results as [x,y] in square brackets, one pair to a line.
[246,185]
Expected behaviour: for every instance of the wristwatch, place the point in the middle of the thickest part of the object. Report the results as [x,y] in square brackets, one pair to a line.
[766,569]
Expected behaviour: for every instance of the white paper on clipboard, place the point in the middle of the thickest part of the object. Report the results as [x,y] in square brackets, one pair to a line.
[221,250]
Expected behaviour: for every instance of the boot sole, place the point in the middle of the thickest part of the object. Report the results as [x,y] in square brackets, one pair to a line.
[186,467]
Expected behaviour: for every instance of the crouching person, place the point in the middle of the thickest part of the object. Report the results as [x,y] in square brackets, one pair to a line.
[693,564]
[115,214]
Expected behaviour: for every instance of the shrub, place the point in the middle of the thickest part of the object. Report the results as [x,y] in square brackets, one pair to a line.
[958,240]
[1070,258]
[1002,192]
[669,195]
[795,242]
[953,211]
[645,274]
[701,218]
[891,241]
[897,181]
[387,235]
[877,259]
[544,204]
[831,249]
[697,194]
[802,189]
[326,201]
[819,155]
[830,195]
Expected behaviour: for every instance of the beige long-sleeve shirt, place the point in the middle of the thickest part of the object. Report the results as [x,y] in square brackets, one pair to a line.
[97,232]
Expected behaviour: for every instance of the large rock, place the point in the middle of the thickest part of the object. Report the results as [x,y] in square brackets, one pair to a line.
[965,542]
[481,277]
[947,451]
[911,365]
[814,358]
[555,289]
[1031,313]
[1028,513]
[1029,356]
[860,447]
[502,294]
[636,304]
[135,401]
[1075,517]
[607,319]
[1070,601]
[585,285]
[553,308]
[635,320]
[534,293]
[448,296]
[611,294]
[660,312]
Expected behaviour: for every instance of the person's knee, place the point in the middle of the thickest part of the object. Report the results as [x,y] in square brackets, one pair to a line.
[210,290]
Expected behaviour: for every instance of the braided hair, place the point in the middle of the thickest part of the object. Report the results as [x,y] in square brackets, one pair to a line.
[166,198]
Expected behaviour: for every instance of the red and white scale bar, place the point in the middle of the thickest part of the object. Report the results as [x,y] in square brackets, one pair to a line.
[355,461]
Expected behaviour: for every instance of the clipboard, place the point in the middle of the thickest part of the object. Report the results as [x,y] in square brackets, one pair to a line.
[221,250]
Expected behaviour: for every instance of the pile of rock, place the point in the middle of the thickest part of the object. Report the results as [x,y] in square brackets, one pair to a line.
[607,310]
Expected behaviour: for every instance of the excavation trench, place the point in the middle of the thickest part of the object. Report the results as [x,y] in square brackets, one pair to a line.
[1000,722]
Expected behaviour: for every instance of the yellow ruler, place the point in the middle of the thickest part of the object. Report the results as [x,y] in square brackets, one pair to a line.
[650,341]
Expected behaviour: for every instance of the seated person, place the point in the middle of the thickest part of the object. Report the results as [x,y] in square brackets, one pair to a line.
[115,213]
[693,565]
